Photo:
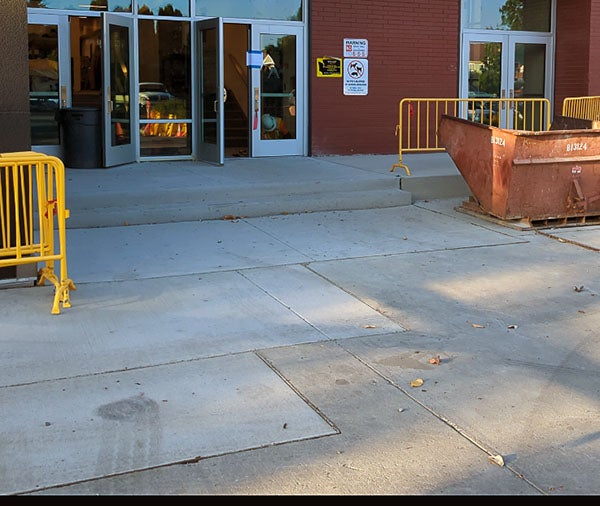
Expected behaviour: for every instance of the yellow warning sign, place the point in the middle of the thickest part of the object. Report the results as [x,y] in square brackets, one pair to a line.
[329,67]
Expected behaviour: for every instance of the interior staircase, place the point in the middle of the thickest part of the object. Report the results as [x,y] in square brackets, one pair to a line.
[236,126]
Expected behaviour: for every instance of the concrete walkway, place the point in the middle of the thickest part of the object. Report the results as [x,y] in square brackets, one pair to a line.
[407,350]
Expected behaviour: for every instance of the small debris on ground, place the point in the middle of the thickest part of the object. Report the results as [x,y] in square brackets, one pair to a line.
[497,459]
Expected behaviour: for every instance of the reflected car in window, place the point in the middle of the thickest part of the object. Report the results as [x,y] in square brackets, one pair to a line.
[155,92]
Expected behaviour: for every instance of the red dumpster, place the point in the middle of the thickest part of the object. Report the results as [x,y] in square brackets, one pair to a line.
[543,176]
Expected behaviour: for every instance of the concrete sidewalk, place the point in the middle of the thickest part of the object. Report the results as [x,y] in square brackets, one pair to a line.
[284,355]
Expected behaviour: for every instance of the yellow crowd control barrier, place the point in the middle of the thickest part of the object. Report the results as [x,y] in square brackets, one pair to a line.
[582,107]
[418,119]
[32,210]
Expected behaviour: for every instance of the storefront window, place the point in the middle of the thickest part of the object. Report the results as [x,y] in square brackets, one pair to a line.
[288,10]
[521,15]
[165,87]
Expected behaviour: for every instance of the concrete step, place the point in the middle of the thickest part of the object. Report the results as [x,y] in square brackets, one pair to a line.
[233,205]
[432,176]
[430,187]
[165,192]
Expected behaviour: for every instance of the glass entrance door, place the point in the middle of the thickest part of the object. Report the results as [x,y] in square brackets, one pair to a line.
[277,91]
[49,79]
[211,91]
[505,66]
[118,104]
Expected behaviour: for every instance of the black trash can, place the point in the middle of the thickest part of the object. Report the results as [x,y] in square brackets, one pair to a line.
[82,137]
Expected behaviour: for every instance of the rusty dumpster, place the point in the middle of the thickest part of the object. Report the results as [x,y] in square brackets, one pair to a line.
[542,178]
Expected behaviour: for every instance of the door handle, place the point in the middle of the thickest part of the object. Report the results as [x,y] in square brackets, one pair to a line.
[109,102]
[256,106]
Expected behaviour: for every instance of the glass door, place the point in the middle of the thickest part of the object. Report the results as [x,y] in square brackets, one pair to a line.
[505,66]
[49,79]
[211,91]
[277,91]
[118,85]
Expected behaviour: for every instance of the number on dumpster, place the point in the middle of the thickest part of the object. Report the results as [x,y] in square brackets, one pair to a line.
[577,146]
[498,140]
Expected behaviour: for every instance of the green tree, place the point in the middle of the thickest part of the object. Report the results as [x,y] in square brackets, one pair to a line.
[512,14]
[169,10]
[489,80]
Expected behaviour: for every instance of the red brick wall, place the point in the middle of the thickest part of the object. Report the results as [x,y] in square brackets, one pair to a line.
[413,51]
[572,56]
[594,56]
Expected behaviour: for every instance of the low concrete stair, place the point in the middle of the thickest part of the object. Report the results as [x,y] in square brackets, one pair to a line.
[163,192]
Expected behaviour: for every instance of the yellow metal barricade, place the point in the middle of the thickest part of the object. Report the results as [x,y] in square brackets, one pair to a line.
[582,107]
[32,210]
[418,119]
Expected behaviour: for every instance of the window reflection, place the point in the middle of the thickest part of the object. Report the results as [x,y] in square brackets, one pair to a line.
[525,15]
[164,98]
[149,7]
[289,10]
[177,8]
[120,76]
[278,87]
[43,83]
[84,5]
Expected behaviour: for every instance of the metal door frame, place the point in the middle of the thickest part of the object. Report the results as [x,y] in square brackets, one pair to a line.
[123,153]
[64,67]
[280,147]
[508,41]
[212,152]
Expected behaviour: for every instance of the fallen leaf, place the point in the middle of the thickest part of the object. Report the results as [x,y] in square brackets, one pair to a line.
[369,326]
[497,459]
[435,360]
[578,288]
[416,383]
[513,326]
[478,326]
